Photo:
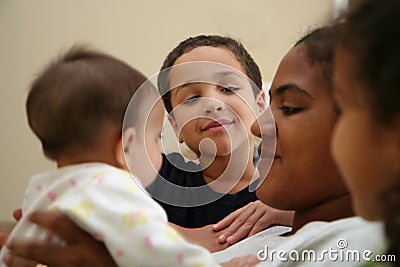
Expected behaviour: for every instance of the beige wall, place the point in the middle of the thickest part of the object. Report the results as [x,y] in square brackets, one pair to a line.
[141,33]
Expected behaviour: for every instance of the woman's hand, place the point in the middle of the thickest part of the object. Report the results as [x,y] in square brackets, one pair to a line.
[249,220]
[81,249]
[203,236]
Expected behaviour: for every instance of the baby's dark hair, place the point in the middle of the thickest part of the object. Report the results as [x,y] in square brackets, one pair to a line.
[78,97]
[370,35]
[319,45]
[247,62]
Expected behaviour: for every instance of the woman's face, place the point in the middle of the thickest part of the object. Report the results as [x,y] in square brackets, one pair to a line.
[303,173]
[367,153]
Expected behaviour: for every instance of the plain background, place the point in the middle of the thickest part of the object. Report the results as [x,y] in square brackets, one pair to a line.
[139,32]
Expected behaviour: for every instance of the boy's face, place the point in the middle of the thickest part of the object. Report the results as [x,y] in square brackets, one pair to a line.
[366,152]
[220,109]
[304,114]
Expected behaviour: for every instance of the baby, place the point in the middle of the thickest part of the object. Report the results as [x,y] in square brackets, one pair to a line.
[76,108]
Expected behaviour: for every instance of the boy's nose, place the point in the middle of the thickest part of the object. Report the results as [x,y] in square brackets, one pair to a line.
[212,106]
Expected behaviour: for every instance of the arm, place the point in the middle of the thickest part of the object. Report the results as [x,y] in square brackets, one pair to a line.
[249,220]
[80,248]
[203,236]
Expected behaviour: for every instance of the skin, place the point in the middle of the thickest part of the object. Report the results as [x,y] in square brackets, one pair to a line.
[367,152]
[29,254]
[303,108]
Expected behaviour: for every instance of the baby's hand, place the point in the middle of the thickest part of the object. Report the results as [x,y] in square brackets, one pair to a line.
[249,220]
[245,261]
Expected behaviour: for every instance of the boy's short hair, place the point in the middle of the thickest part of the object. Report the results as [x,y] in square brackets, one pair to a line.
[247,62]
[78,97]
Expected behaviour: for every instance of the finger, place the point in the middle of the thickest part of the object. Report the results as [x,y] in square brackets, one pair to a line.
[238,223]
[225,222]
[17,214]
[12,260]
[47,254]
[25,249]
[259,226]
[244,229]
[58,224]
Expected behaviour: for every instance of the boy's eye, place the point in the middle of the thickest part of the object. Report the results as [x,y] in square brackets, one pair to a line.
[191,99]
[287,111]
[229,89]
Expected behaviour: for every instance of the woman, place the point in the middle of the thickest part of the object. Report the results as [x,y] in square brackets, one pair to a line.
[304,177]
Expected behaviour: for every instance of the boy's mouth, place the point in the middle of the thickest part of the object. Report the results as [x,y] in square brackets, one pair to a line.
[216,126]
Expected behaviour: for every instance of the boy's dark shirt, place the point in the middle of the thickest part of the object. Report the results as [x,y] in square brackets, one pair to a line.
[198,216]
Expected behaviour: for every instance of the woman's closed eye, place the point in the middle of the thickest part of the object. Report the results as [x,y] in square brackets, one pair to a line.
[287,111]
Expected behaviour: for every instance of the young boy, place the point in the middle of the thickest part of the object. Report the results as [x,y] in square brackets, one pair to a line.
[76,108]
[211,89]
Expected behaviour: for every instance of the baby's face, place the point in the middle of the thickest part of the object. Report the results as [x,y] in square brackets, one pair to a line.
[220,109]
[144,157]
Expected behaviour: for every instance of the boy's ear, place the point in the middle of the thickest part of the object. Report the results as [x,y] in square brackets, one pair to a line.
[175,127]
[124,145]
[261,102]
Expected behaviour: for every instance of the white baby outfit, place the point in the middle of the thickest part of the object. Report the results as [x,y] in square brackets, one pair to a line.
[114,208]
